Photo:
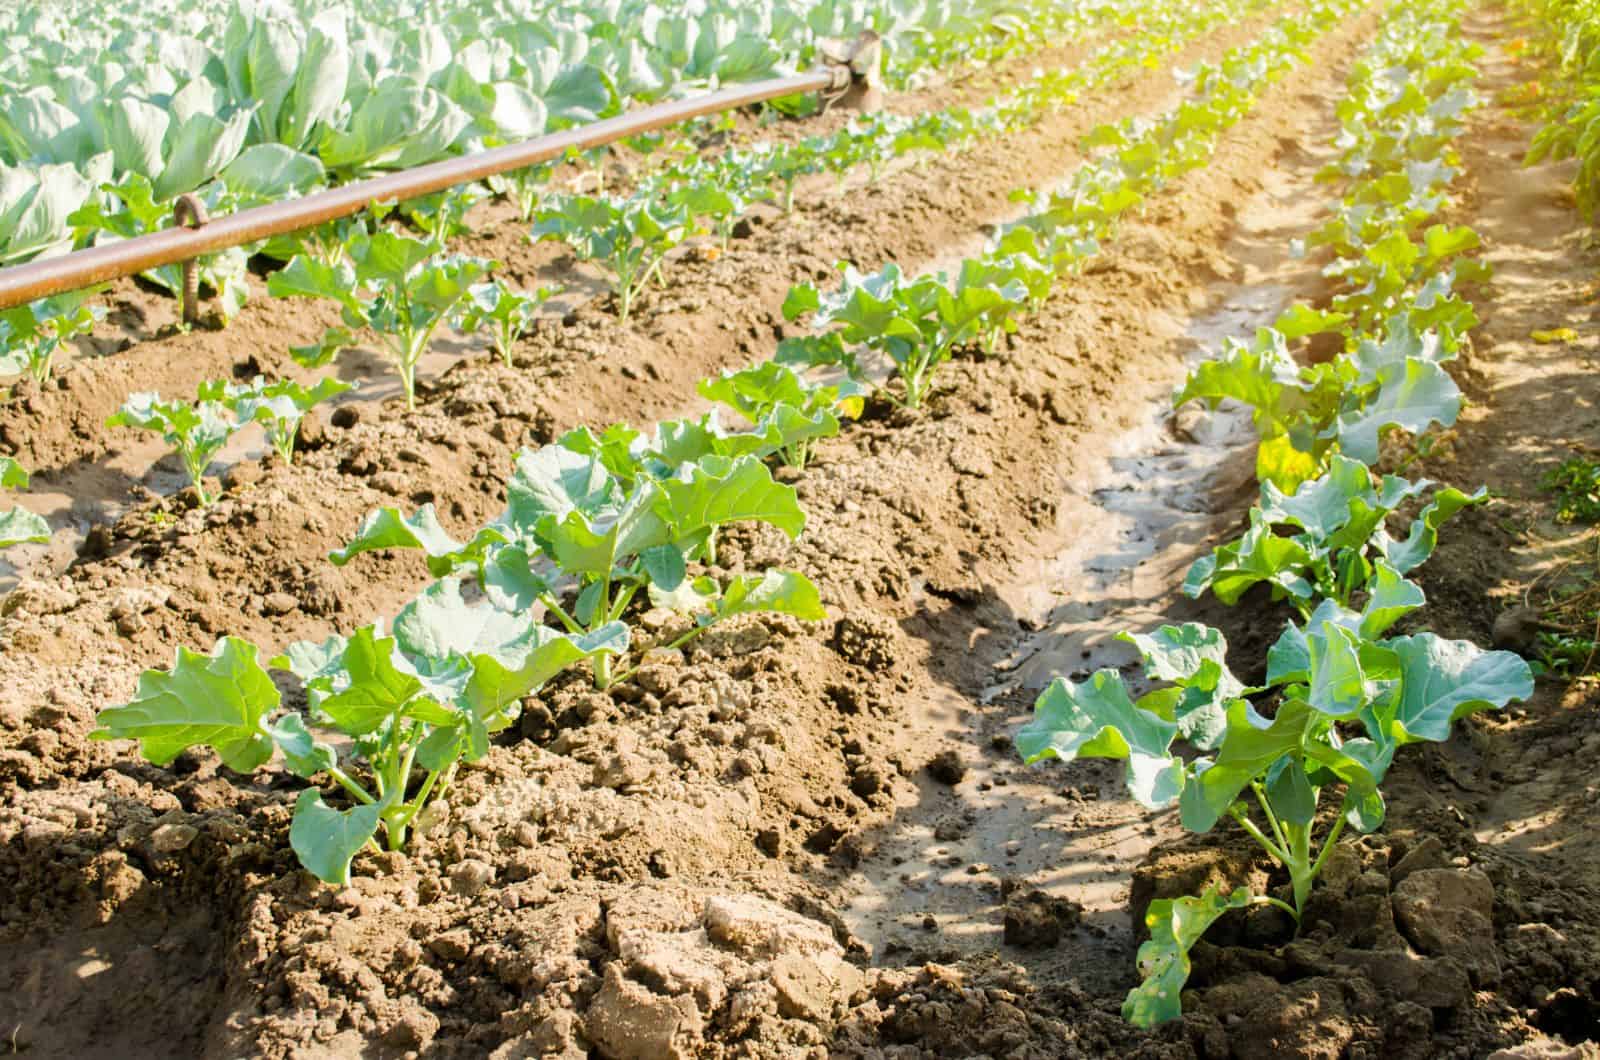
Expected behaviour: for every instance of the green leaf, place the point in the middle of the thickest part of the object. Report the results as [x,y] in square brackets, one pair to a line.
[1194,657]
[1410,396]
[387,528]
[1389,598]
[1175,924]
[1300,320]
[1246,753]
[303,753]
[1097,719]
[377,691]
[1420,542]
[307,277]
[1442,681]
[1258,556]
[1290,793]
[12,474]
[782,591]
[20,526]
[218,700]
[325,840]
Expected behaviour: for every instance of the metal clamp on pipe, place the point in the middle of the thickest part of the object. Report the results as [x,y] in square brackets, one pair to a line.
[189,212]
[854,66]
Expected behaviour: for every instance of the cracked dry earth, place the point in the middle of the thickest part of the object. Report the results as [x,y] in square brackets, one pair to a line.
[814,840]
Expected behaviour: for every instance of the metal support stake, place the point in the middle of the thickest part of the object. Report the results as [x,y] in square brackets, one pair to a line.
[189,212]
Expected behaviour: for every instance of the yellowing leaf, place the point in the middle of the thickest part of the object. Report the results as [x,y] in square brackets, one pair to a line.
[1554,335]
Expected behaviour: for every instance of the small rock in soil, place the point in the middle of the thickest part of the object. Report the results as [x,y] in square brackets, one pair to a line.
[1517,629]
[471,876]
[1034,920]
[172,837]
[1449,913]
[279,603]
[1428,854]
[312,435]
[947,768]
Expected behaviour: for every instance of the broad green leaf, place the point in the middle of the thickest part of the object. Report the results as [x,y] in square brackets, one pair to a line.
[306,277]
[1410,396]
[782,591]
[1419,544]
[1194,657]
[325,840]
[377,691]
[1338,686]
[218,700]
[387,528]
[12,474]
[1442,681]
[1097,719]
[1290,793]
[1389,598]
[1246,753]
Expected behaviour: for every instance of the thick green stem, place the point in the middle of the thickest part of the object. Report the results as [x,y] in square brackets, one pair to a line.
[1301,874]
[196,466]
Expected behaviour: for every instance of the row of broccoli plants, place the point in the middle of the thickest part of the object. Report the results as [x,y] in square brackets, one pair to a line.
[402,289]
[632,235]
[915,323]
[1341,693]
[1573,129]
[595,526]
[237,164]
[267,96]
[679,201]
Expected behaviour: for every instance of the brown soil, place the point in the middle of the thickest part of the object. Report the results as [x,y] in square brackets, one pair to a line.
[676,869]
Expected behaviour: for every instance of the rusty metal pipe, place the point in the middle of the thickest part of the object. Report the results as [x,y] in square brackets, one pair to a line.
[21,284]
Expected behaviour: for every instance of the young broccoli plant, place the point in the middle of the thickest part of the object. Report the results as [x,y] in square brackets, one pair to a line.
[1341,701]
[31,335]
[631,237]
[400,287]
[1339,545]
[18,525]
[279,406]
[525,187]
[198,431]
[915,322]
[507,314]
[418,699]
[442,216]
[783,407]
[584,542]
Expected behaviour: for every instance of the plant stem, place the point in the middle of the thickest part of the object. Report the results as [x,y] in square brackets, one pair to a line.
[349,784]
[1266,899]
[1277,852]
[554,607]
[1327,846]
[673,646]
[1272,818]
